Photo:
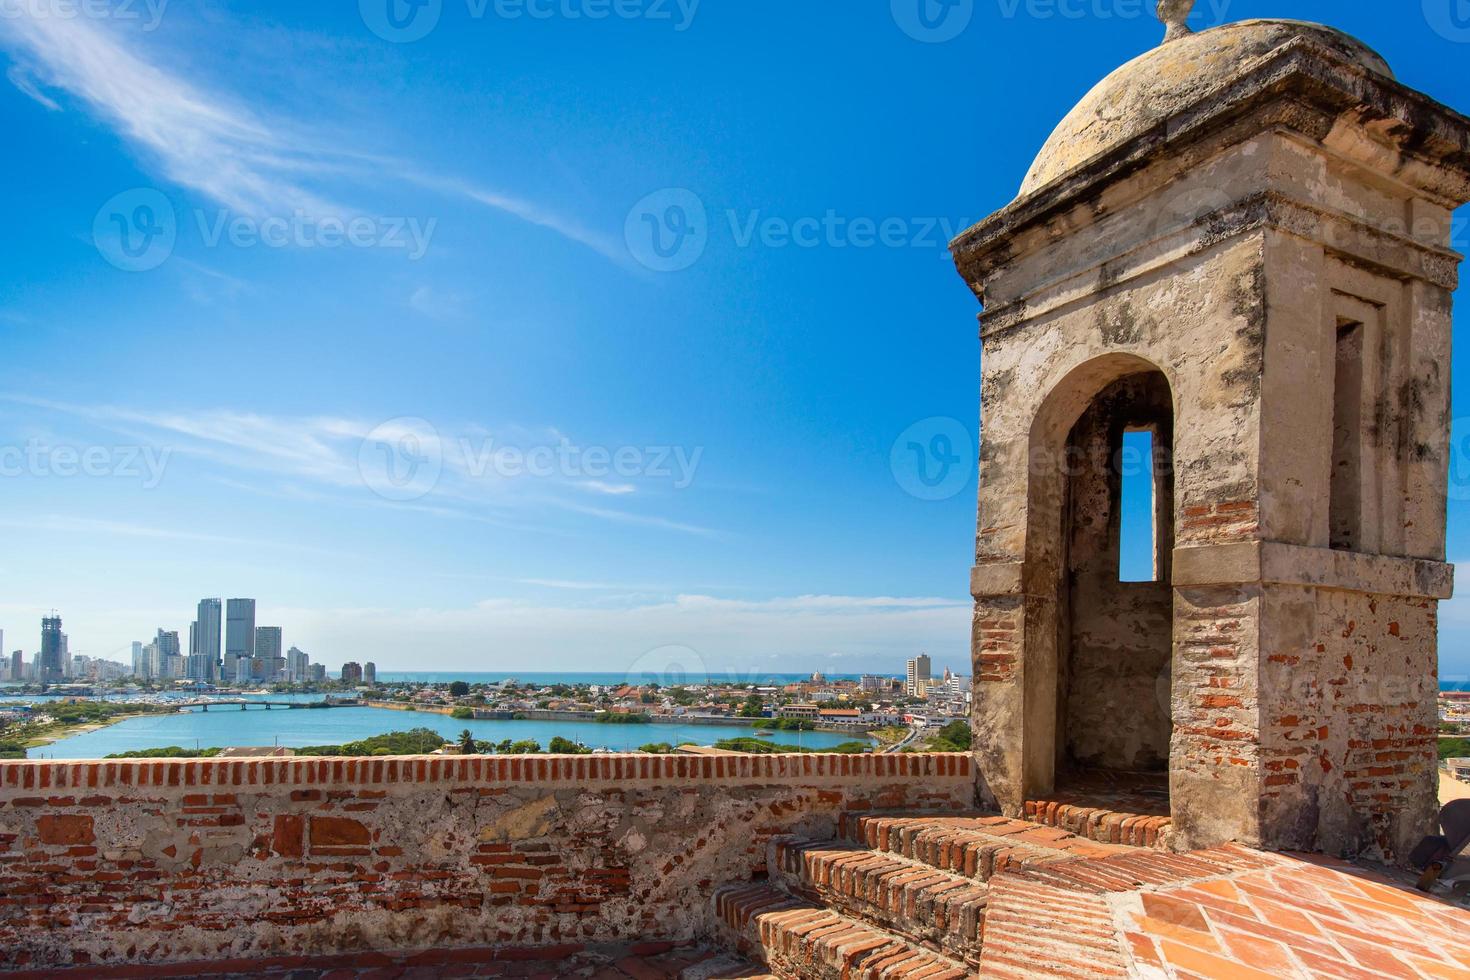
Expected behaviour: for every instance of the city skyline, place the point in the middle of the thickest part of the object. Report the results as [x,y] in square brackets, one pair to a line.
[153,660]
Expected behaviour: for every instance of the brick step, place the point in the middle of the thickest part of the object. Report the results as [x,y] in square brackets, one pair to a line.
[974,846]
[1101,823]
[800,940]
[931,908]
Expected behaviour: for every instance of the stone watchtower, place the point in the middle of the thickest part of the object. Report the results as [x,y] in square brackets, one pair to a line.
[1238,244]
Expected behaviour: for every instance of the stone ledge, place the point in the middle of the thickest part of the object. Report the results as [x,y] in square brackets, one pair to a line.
[1267,563]
[1277,563]
[577,771]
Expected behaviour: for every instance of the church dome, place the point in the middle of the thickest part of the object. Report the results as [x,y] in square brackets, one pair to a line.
[1159,83]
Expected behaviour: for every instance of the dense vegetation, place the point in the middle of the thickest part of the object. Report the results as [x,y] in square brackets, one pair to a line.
[1454,748]
[954,737]
[420,741]
[785,724]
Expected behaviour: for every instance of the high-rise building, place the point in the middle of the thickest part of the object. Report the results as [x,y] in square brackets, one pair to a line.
[317,673]
[920,674]
[240,628]
[206,638]
[51,665]
[168,643]
[351,673]
[370,673]
[269,663]
[297,666]
[142,670]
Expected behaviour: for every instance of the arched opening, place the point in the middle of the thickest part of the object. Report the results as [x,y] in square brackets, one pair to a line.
[1100,541]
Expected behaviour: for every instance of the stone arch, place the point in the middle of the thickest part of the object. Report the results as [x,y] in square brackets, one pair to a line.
[1116,636]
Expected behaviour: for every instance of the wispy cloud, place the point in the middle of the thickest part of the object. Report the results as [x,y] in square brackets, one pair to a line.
[18,76]
[202,141]
[217,144]
[321,457]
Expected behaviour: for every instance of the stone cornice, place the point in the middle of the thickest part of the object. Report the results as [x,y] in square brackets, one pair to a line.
[1342,235]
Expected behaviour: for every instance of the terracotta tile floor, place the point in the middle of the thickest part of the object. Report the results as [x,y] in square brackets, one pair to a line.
[1302,917]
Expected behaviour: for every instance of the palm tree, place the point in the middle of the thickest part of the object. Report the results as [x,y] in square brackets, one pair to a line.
[467,742]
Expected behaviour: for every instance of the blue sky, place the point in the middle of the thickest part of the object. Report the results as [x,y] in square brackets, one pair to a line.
[716,422]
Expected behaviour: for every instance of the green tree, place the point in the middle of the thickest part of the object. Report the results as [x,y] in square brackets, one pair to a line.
[459,689]
[462,714]
[564,746]
[753,707]
[467,742]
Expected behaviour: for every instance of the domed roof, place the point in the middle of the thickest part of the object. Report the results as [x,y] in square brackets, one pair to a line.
[1157,84]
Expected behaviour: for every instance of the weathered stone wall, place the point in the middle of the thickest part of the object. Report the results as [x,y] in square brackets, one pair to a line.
[154,861]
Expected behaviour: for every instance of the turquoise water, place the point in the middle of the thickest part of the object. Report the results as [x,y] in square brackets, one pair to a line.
[223,726]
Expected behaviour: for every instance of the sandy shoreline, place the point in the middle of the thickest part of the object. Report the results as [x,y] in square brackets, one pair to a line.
[56,736]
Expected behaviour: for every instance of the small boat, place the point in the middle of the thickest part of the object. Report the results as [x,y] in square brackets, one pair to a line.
[762,733]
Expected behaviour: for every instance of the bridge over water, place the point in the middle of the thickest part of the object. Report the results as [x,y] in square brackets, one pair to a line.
[244,704]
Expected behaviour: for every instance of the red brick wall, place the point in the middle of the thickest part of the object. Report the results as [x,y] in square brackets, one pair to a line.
[1349,720]
[151,861]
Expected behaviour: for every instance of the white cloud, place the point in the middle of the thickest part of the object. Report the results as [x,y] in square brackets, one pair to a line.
[325,451]
[252,161]
[611,489]
[21,78]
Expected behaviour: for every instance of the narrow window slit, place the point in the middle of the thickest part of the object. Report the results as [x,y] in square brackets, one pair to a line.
[1138,533]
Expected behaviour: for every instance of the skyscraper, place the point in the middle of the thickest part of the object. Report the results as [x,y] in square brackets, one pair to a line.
[352,672]
[920,673]
[370,673]
[51,667]
[239,629]
[297,666]
[206,638]
[269,663]
[142,670]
